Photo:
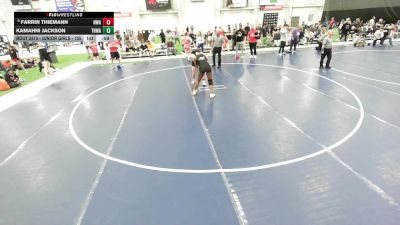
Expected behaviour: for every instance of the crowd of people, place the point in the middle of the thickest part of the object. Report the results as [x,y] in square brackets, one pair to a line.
[11,69]
[236,38]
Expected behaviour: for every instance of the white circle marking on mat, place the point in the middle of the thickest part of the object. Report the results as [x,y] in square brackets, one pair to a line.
[223,170]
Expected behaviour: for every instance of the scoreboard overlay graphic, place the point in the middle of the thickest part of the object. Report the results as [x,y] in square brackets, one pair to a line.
[63,26]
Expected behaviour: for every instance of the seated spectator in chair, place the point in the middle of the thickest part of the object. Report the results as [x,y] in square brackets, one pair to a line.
[378,35]
[128,45]
[136,45]
[151,47]
[29,63]
[144,49]
[12,79]
[171,47]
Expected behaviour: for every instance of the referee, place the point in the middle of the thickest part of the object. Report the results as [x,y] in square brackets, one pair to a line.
[326,50]
[218,41]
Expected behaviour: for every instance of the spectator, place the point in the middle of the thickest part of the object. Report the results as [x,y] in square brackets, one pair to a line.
[381,22]
[200,41]
[276,36]
[30,63]
[13,52]
[378,35]
[12,79]
[239,37]
[135,44]
[283,36]
[392,32]
[332,23]
[151,36]
[176,35]
[140,37]
[301,36]
[372,22]
[187,41]
[86,43]
[171,47]
[95,51]
[162,36]
[309,35]
[144,49]
[252,37]
[357,24]
[193,38]
[295,39]
[247,29]
[233,40]
[2,67]
[6,65]
[226,42]
[345,29]
[152,48]
[263,31]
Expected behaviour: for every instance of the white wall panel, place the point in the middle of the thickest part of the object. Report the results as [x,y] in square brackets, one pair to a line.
[199,14]
[157,22]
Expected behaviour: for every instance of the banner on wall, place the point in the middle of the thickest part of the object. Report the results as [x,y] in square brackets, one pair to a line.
[271,2]
[70,5]
[271,7]
[235,3]
[158,4]
[122,14]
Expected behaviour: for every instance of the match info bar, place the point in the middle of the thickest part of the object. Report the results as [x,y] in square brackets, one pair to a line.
[63,27]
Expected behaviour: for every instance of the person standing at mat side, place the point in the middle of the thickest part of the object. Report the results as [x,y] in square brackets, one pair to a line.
[239,37]
[218,42]
[113,46]
[326,50]
[203,68]
[283,34]
[253,36]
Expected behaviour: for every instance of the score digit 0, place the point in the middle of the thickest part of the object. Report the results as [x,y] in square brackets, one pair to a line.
[108,30]
[108,21]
